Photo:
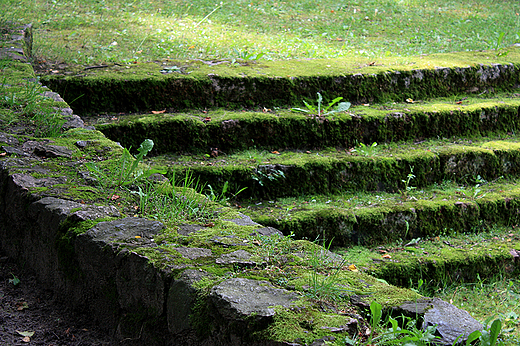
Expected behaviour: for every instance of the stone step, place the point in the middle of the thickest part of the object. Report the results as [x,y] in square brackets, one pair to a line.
[383,168]
[278,129]
[178,85]
[369,219]
[442,260]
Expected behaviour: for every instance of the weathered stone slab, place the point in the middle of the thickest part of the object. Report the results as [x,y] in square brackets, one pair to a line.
[124,229]
[193,252]
[237,299]
[451,322]
[239,257]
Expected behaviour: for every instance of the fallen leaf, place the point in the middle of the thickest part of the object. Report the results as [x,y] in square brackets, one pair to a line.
[353,268]
[209,224]
[159,112]
[3,154]
[114,197]
[26,339]
[22,305]
[410,101]
[275,152]
[26,334]
[459,102]
[387,256]
[137,237]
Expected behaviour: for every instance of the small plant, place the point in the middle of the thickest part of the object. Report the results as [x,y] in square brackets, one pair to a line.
[15,281]
[487,337]
[366,150]
[475,190]
[407,187]
[127,171]
[498,45]
[222,197]
[262,177]
[375,318]
[273,247]
[325,287]
[341,107]
[244,56]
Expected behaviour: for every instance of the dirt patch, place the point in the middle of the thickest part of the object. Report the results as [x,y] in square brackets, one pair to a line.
[26,307]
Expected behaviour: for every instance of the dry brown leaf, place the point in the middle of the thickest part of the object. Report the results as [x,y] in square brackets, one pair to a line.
[159,112]
[353,268]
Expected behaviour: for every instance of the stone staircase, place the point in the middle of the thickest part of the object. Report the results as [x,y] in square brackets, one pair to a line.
[445,167]
[443,163]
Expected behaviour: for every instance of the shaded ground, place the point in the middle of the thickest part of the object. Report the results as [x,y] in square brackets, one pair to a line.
[27,307]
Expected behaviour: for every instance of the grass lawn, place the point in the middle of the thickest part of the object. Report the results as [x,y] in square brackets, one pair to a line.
[95,31]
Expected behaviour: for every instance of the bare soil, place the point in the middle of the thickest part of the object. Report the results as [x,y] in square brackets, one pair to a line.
[26,307]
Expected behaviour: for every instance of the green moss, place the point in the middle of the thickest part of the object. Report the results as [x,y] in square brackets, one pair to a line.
[142,87]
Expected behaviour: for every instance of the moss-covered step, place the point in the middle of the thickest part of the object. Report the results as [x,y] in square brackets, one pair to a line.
[176,85]
[280,129]
[442,260]
[385,167]
[380,218]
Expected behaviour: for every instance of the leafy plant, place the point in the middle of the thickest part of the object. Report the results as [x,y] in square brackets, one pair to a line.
[341,107]
[273,175]
[489,336]
[366,150]
[127,170]
[375,318]
[407,187]
[498,45]
[14,280]
[475,190]
[244,55]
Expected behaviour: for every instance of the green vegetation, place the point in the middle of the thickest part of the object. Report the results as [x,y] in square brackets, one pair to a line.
[319,111]
[92,32]
[126,171]
[433,186]
[24,101]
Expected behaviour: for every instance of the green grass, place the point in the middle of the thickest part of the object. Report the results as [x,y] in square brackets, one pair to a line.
[89,32]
